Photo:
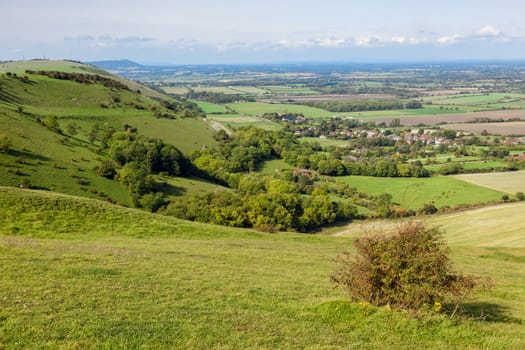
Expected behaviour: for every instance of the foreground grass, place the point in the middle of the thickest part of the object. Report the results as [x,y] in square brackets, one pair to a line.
[79,273]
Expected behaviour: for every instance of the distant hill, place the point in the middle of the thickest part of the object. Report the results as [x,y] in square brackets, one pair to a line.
[116,65]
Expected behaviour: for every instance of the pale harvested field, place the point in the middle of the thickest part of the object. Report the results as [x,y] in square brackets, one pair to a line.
[507,128]
[330,98]
[454,91]
[455,118]
[510,182]
[494,226]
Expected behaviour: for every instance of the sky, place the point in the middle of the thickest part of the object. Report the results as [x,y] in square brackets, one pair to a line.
[269,31]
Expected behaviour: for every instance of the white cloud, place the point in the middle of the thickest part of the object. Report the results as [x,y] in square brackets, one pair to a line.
[488,31]
[398,40]
[448,39]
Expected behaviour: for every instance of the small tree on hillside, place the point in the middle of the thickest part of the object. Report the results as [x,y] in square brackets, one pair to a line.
[5,143]
[406,270]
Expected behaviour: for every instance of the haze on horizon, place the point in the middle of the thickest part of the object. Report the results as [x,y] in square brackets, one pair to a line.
[270,31]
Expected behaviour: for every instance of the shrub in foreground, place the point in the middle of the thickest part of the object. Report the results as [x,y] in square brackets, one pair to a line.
[405,270]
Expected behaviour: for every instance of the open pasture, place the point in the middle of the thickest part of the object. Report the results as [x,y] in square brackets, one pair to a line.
[494,100]
[238,120]
[413,193]
[258,108]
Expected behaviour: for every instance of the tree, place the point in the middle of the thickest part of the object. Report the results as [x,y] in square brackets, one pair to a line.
[406,270]
[72,128]
[136,177]
[5,143]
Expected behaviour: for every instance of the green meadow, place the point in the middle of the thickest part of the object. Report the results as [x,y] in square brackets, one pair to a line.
[78,273]
[413,193]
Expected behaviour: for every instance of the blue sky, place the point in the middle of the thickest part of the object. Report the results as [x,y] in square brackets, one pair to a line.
[205,31]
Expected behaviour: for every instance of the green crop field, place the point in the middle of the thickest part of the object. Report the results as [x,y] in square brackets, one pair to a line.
[211,108]
[325,142]
[495,100]
[239,120]
[413,193]
[291,90]
[256,108]
[482,164]
[510,182]
[78,273]
[248,90]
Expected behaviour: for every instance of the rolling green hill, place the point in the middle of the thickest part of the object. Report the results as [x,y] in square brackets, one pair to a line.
[80,273]
[61,157]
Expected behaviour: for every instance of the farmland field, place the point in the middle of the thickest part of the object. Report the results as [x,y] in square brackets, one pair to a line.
[256,108]
[413,193]
[481,164]
[177,90]
[236,121]
[120,278]
[496,100]
[325,142]
[507,128]
[510,182]
[455,118]
[211,108]
[494,226]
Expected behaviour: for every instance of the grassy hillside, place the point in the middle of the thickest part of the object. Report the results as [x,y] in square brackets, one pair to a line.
[78,273]
[63,161]
[20,67]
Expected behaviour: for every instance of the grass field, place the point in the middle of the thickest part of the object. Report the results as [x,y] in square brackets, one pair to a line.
[77,273]
[271,167]
[291,90]
[494,100]
[510,182]
[239,120]
[325,142]
[256,108]
[413,193]
[211,108]
[481,164]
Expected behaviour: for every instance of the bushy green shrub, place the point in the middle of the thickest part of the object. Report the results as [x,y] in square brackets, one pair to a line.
[406,270]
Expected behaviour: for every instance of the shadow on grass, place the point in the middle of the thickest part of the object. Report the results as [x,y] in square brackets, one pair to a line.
[28,155]
[485,312]
[169,190]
